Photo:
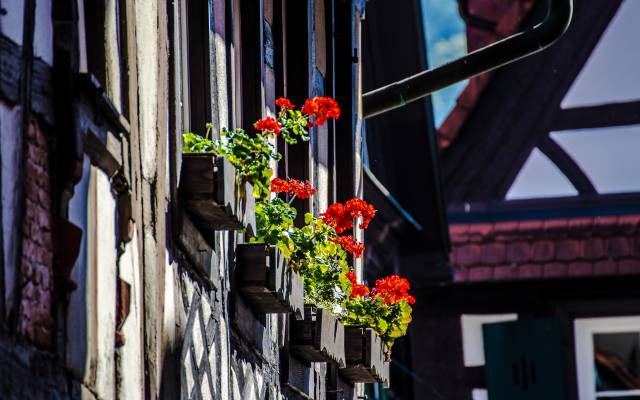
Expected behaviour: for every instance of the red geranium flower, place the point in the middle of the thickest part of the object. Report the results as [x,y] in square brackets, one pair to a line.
[337,217]
[284,103]
[350,244]
[321,108]
[280,186]
[393,289]
[357,290]
[341,217]
[294,187]
[360,208]
[268,124]
[301,190]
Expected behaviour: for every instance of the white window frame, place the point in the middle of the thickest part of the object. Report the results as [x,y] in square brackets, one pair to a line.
[584,330]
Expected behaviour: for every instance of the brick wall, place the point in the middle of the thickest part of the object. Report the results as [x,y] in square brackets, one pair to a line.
[35,317]
[553,248]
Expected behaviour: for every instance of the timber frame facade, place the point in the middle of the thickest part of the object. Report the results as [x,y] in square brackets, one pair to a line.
[108,287]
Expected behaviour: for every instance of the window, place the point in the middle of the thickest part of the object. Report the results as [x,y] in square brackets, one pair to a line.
[611,72]
[608,358]
[446,40]
[103,51]
[473,343]
[199,66]
[540,178]
[479,394]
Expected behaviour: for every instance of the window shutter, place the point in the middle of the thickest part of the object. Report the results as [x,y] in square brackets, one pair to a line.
[525,360]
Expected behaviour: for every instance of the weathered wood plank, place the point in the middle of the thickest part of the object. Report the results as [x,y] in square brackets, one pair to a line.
[197,250]
[210,193]
[266,282]
[364,356]
[317,338]
[42,83]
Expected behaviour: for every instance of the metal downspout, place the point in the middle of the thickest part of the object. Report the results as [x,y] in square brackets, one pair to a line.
[503,52]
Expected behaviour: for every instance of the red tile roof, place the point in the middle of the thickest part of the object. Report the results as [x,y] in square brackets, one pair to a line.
[507,14]
[562,247]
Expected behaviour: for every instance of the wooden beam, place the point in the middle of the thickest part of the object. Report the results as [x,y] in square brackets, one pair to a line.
[10,69]
[531,296]
[614,114]
[567,165]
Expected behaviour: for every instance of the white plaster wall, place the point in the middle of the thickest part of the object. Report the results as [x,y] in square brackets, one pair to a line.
[11,22]
[130,367]
[10,145]
[91,316]
[112,56]
[222,240]
[147,59]
[221,76]
[247,380]
[43,33]
[103,277]
[82,38]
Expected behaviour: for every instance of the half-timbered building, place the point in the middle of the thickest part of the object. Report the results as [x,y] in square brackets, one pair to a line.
[110,286]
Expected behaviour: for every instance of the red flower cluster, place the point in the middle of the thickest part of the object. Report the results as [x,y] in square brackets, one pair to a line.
[350,244]
[301,190]
[285,104]
[279,185]
[360,208]
[321,108]
[392,289]
[340,216]
[268,124]
[337,217]
[357,290]
[294,187]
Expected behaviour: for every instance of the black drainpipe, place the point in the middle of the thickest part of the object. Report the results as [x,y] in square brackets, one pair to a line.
[473,20]
[505,51]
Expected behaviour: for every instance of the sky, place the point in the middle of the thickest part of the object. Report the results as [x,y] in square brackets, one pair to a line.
[446,41]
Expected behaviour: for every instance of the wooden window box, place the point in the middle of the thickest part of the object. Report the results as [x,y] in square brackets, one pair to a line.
[266,282]
[317,338]
[364,354]
[211,194]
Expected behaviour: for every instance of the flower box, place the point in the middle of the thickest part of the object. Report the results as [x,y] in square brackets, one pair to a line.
[364,354]
[211,193]
[265,281]
[319,337]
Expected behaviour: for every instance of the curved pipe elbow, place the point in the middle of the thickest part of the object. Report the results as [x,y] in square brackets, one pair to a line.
[556,23]
[485,59]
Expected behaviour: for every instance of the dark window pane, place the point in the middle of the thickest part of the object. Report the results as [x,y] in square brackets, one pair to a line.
[617,361]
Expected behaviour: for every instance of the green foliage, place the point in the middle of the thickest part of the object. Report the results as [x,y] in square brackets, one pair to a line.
[322,265]
[388,320]
[194,143]
[294,124]
[275,225]
[250,154]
